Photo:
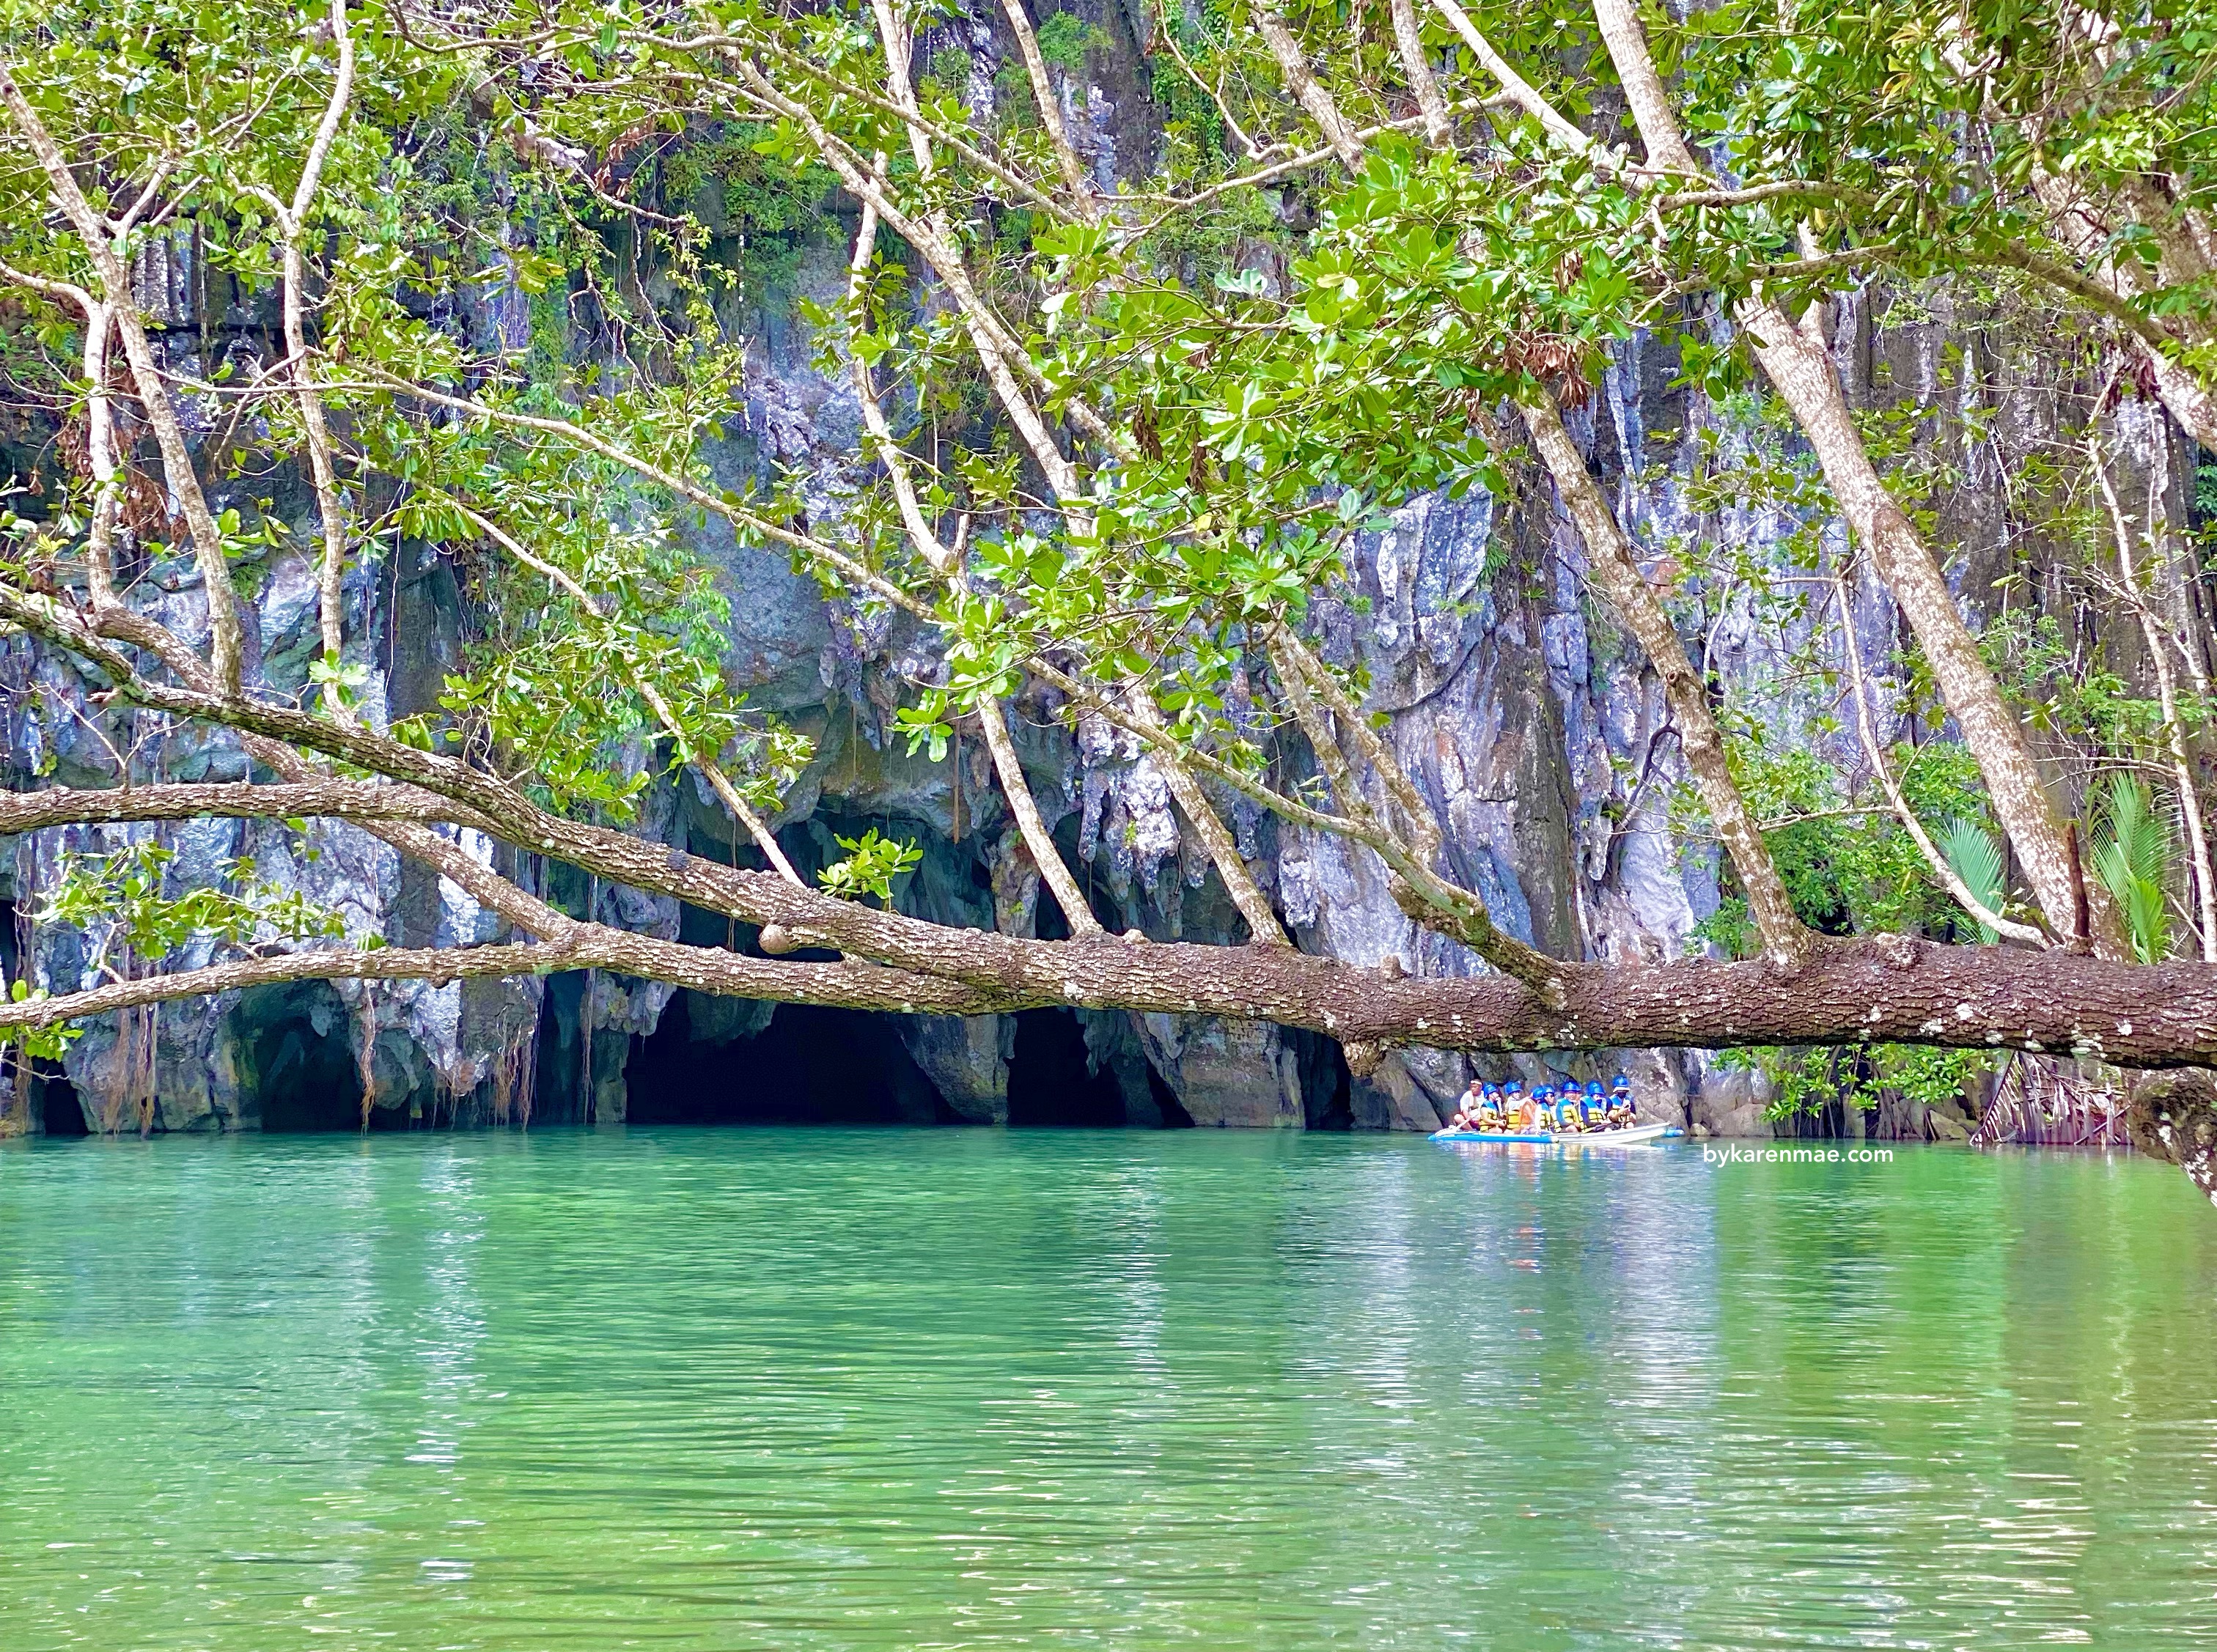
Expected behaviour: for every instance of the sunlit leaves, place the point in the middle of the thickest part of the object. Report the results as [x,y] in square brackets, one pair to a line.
[123,897]
[869,866]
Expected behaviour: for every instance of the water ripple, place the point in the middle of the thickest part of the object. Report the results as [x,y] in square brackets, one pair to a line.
[819,1389]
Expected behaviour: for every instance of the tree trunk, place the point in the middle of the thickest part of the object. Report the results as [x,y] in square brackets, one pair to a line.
[1801,368]
[2173,1116]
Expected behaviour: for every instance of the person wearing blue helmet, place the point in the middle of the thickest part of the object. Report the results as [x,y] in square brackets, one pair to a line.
[1623,1109]
[1593,1106]
[1567,1116]
[1515,1105]
[1491,1118]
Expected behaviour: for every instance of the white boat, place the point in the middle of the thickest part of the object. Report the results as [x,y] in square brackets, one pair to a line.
[1634,1137]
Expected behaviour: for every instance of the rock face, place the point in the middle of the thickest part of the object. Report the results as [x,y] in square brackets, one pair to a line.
[1542,741]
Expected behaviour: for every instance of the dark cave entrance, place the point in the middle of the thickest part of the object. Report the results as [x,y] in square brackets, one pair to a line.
[1048,1081]
[1327,1086]
[60,1111]
[810,1065]
[298,1060]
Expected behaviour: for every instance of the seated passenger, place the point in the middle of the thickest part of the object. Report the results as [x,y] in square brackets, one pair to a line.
[1566,1112]
[1623,1109]
[1512,1105]
[1593,1108]
[1490,1115]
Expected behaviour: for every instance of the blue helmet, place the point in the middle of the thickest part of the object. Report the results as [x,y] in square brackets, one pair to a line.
[1516,1087]
[1593,1086]
[1620,1082]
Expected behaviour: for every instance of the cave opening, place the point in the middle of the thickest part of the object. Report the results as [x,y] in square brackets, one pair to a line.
[1327,1085]
[60,1111]
[811,1064]
[1050,1082]
[297,1059]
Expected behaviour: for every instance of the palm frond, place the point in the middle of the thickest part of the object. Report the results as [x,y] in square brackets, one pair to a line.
[1976,859]
[2134,853]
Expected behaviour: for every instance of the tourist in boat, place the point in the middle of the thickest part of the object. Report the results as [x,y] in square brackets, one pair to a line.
[1622,1110]
[1551,1107]
[1567,1112]
[1490,1115]
[1515,1109]
[1593,1106]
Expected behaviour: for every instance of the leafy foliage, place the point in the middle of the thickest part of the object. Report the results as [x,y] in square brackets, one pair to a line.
[123,895]
[869,866]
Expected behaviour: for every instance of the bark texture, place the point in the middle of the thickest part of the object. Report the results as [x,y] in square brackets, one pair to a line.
[2173,1116]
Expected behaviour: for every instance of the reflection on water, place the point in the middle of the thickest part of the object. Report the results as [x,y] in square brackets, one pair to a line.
[818,1389]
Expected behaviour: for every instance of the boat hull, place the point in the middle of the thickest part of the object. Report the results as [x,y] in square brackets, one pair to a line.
[1637,1136]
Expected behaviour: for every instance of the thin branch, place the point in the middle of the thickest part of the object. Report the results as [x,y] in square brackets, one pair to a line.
[225,637]
[718,781]
[1779,190]
[1308,92]
[1408,40]
[2145,328]
[292,221]
[1943,869]
[1016,786]
[711,969]
[1613,566]
[2174,729]
[1263,926]
[692,492]
[1558,125]
[1168,34]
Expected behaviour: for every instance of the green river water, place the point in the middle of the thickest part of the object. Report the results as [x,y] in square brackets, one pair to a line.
[802,1389]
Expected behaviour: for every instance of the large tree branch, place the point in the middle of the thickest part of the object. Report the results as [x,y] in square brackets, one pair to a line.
[1049,105]
[1409,41]
[355,800]
[1890,989]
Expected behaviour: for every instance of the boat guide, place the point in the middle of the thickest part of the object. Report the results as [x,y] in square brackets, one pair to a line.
[1550,1116]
